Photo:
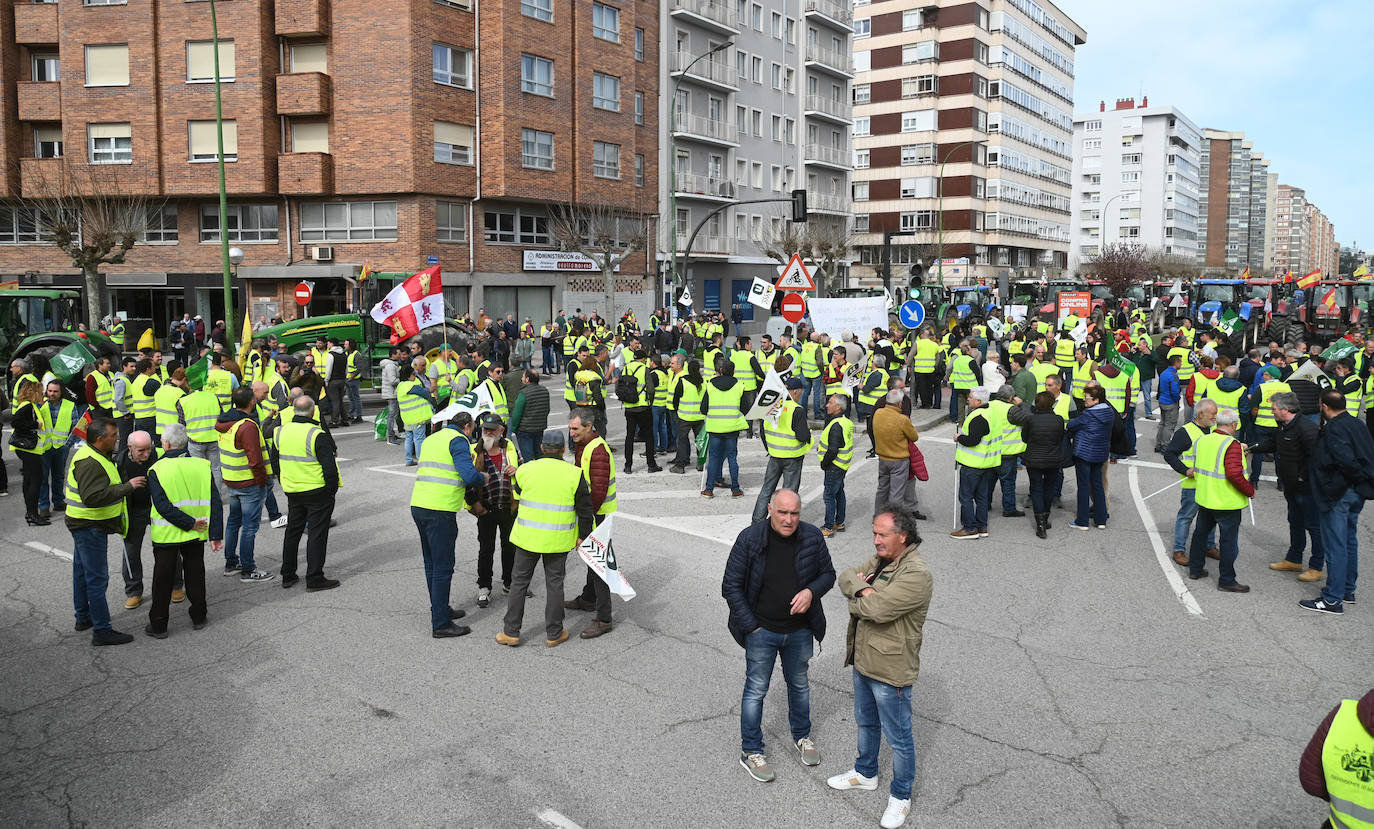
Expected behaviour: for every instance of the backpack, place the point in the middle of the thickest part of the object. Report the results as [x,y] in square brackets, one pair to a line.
[626,389]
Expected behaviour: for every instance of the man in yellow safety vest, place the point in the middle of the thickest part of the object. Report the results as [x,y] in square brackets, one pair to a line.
[304,454]
[1223,491]
[186,513]
[444,474]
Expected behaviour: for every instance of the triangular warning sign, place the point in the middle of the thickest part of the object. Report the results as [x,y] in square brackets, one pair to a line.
[795,277]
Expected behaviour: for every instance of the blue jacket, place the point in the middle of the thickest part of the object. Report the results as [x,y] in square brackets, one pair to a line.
[1169,392]
[1092,431]
[743,580]
[1343,460]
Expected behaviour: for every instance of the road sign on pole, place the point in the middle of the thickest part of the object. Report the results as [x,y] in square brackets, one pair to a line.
[912,314]
[793,307]
[303,293]
[795,276]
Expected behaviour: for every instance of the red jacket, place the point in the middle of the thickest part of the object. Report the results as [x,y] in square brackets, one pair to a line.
[601,472]
[1235,469]
[1209,373]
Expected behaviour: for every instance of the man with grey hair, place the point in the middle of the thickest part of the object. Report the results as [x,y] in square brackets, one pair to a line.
[892,434]
[978,456]
[1223,491]
[1013,413]
[186,512]
[1179,454]
[1292,445]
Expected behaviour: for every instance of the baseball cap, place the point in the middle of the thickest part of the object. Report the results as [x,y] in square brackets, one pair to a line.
[795,384]
[552,437]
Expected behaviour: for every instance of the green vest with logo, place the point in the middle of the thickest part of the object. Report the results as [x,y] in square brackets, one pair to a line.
[220,383]
[1346,757]
[1264,415]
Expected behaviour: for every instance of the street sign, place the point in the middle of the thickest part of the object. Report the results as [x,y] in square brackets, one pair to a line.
[912,314]
[303,293]
[795,276]
[431,261]
[761,293]
[793,307]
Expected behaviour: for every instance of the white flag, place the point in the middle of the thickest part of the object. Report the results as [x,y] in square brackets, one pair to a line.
[771,394]
[761,293]
[1079,334]
[597,552]
[475,402]
[1179,301]
[850,381]
[686,298]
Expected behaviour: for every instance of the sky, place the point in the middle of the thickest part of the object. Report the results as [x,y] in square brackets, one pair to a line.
[1296,77]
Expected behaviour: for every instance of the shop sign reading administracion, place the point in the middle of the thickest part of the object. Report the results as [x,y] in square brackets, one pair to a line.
[561,260]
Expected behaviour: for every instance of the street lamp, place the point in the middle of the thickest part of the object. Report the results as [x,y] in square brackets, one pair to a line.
[940,217]
[1102,218]
[223,196]
[672,152]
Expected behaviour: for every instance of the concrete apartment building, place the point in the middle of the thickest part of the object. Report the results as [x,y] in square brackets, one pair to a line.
[1324,251]
[1135,173]
[354,132]
[766,113]
[964,130]
[1291,242]
[1233,204]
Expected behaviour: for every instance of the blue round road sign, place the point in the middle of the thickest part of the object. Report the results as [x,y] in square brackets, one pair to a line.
[912,314]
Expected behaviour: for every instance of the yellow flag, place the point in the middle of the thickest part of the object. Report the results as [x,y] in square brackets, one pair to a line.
[1362,271]
[147,340]
[247,339]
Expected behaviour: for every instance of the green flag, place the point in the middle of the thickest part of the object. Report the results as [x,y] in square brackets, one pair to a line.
[1228,322]
[1122,362]
[70,361]
[1339,349]
[197,372]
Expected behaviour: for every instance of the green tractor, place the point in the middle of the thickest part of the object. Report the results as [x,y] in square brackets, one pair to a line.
[41,322]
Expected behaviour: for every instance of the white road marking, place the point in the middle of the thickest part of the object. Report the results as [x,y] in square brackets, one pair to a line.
[393,470]
[556,819]
[52,551]
[1166,563]
[658,522]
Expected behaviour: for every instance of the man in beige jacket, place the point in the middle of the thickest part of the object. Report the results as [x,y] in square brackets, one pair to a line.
[889,596]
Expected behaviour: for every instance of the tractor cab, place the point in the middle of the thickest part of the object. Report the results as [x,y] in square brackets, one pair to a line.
[969,301]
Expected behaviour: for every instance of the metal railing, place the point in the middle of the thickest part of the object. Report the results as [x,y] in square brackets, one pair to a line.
[838,61]
[701,125]
[841,156]
[830,106]
[707,245]
[713,186]
[835,11]
[833,204]
[709,9]
[709,69]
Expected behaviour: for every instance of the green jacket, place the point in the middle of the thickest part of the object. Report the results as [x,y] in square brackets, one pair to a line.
[884,640]
[1025,384]
[1144,365]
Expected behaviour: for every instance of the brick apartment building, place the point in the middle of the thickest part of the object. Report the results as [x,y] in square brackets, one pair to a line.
[354,132]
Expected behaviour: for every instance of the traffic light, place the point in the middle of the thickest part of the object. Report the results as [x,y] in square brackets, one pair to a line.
[798,205]
[913,288]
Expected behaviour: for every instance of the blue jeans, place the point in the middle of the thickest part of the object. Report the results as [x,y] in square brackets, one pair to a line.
[415,436]
[1145,389]
[834,497]
[91,577]
[882,710]
[54,479]
[818,404]
[1007,475]
[1183,524]
[270,502]
[720,449]
[1339,521]
[550,362]
[1227,521]
[355,399]
[438,535]
[1302,522]
[1262,434]
[528,445]
[975,489]
[1090,485]
[785,470]
[762,648]
[241,530]
[664,438]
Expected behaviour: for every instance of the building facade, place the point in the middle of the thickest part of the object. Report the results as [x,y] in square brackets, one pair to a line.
[964,130]
[1135,174]
[1233,204]
[1291,241]
[394,135]
[1323,250]
[755,103]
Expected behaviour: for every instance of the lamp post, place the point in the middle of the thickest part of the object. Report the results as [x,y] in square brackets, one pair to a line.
[1103,221]
[223,196]
[672,161]
[940,209]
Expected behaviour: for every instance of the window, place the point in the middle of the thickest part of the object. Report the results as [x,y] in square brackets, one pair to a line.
[863,59]
[916,52]
[756,16]
[245,222]
[452,143]
[756,174]
[1092,126]
[639,44]
[536,149]
[789,130]
[775,177]
[924,85]
[639,108]
[104,2]
[756,123]
[777,128]
[605,92]
[347,221]
[605,160]
[776,76]
[110,143]
[860,159]
[775,29]
[536,75]
[860,222]
[310,137]
[918,154]
[309,57]
[742,120]
[917,220]
[203,140]
[1127,140]
[862,93]
[46,68]
[47,142]
[918,188]
[465,5]
[980,52]
[1092,143]
[860,191]
[500,227]
[756,69]
[538,9]
[791,30]
[1130,158]
[861,126]
[533,229]
[161,227]
[742,64]
[639,169]
[918,121]
[200,61]
[24,225]
[1129,233]
[452,66]
[450,221]
[1130,177]
[863,27]
[789,81]
[107,65]
[912,19]
[606,22]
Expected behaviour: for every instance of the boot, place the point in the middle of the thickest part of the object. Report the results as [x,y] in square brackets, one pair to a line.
[1042,522]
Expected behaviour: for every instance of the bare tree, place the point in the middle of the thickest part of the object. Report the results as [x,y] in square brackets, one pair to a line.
[1120,265]
[606,233]
[782,240]
[830,243]
[1171,265]
[92,213]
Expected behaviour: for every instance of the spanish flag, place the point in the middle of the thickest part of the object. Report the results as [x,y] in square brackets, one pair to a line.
[1288,277]
[1245,274]
[1311,279]
[1362,272]
[367,271]
[1330,300]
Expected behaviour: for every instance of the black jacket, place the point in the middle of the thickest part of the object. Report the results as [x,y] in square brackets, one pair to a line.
[744,577]
[1292,446]
[1343,460]
[1044,437]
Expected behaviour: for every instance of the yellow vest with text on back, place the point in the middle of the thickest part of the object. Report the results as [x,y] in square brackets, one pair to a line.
[1346,754]
[1264,415]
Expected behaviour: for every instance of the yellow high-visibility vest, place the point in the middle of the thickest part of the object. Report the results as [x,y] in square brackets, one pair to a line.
[186,482]
[546,520]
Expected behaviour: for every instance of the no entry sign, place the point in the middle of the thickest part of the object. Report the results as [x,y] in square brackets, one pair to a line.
[303,293]
[793,307]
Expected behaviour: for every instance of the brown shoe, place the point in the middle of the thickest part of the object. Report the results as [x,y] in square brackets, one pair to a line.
[595,629]
[1213,552]
[178,596]
[1180,558]
[579,604]
[1286,566]
[1234,588]
[706,493]
[1311,575]
[503,639]
[964,534]
[132,602]
[561,638]
[827,533]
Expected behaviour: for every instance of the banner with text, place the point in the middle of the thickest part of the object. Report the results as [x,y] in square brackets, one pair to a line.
[597,552]
[859,315]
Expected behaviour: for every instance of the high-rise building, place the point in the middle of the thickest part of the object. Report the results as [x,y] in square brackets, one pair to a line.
[964,130]
[1323,251]
[1232,205]
[395,135]
[1288,229]
[1135,180]
[756,103]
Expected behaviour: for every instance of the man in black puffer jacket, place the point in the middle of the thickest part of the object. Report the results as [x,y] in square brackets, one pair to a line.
[1292,446]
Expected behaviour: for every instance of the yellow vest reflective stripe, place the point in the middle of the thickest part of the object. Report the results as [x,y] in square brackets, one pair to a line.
[300,467]
[569,346]
[220,383]
[1225,399]
[140,401]
[962,376]
[1081,375]
[1063,352]
[445,370]
[165,405]
[1264,415]
[1201,384]
[201,410]
[1115,388]
[661,387]
[186,483]
[1042,371]
[608,504]
[57,431]
[351,368]
[708,362]
[844,455]
[722,409]
[1061,406]
[1186,369]
[690,407]
[414,408]
[988,452]
[546,520]
[778,438]
[1012,441]
[1209,470]
[437,486]
[104,392]
[766,359]
[835,385]
[498,398]
[927,355]
[871,398]
[744,369]
[233,462]
[810,369]
[40,411]
[1345,764]
[1188,457]
[117,334]
[76,509]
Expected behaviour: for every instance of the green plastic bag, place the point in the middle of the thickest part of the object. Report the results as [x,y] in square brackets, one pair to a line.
[702,438]
[379,425]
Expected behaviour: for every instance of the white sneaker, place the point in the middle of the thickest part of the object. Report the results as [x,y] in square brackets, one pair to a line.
[279,523]
[895,813]
[484,597]
[852,780]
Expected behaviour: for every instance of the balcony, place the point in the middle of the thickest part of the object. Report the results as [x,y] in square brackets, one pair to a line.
[702,128]
[817,203]
[303,93]
[305,174]
[839,63]
[35,23]
[838,14]
[708,14]
[706,245]
[302,18]
[823,107]
[39,177]
[706,188]
[40,101]
[840,158]
[709,71]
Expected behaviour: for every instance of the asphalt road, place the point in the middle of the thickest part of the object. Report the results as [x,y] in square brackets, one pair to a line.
[1064,683]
